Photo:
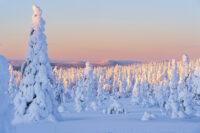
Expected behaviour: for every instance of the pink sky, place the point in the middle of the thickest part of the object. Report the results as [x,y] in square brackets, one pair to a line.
[106,30]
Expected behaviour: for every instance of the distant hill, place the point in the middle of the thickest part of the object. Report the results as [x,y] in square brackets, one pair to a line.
[81,64]
[120,62]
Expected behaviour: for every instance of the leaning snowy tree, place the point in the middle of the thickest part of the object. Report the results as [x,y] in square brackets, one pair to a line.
[35,98]
[5,106]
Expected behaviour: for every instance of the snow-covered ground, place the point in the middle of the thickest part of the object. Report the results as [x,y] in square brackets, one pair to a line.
[90,122]
[113,124]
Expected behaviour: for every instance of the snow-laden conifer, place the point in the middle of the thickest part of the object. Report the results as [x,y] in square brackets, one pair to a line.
[34,100]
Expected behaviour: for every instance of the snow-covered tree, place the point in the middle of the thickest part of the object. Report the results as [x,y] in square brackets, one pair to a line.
[161,95]
[173,103]
[129,85]
[196,88]
[13,87]
[102,93]
[184,88]
[115,85]
[89,82]
[85,91]
[59,94]
[5,106]
[136,93]
[146,94]
[122,85]
[196,84]
[115,107]
[35,99]
[80,96]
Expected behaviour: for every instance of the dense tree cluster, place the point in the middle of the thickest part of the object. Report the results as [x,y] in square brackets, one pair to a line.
[173,86]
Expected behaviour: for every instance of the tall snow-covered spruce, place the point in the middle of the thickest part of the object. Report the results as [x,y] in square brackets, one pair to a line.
[85,93]
[184,88]
[173,104]
[35,98]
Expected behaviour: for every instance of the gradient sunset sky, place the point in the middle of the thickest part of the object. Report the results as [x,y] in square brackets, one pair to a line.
[105,29]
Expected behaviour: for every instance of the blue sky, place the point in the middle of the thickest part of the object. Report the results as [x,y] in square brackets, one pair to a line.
[105,29]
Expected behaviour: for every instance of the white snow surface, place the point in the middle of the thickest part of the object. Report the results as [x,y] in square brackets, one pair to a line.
[91,122]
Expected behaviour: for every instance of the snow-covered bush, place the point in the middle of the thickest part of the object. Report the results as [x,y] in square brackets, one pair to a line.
[115,107]
[147,116]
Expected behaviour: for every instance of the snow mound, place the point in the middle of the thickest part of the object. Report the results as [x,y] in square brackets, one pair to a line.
[61,109]
[147,116]
[115,108]
[93,106]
